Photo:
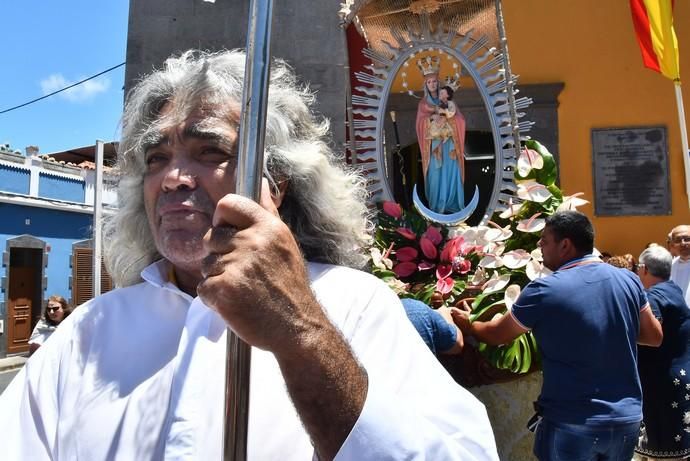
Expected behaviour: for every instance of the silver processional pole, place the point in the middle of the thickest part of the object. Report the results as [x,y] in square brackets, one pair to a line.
[249,173]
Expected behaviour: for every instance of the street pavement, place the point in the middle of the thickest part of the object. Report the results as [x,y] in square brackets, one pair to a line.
[9,367]
[6,377]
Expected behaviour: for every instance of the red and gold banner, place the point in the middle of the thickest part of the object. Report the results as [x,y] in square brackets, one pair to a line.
[653,20]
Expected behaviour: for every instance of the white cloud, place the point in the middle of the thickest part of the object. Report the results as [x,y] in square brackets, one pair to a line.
[80,93]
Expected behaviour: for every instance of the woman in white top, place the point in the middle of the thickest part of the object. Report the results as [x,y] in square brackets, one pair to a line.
[56,311]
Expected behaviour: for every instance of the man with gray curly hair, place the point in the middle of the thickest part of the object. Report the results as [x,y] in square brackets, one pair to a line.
[337,370]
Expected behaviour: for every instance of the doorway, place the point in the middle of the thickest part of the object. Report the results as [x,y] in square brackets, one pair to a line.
[24,292]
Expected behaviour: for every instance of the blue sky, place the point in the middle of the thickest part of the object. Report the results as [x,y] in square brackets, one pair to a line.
[49,44]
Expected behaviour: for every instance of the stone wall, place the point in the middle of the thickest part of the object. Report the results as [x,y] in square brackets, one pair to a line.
[509,406]
[305,33]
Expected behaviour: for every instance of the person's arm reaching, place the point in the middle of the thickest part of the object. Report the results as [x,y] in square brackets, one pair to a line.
[499,330]
[459,342]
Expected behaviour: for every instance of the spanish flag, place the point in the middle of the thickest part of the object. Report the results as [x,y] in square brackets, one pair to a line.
[653,20]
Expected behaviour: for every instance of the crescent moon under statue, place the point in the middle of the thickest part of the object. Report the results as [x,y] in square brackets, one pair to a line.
[446,219]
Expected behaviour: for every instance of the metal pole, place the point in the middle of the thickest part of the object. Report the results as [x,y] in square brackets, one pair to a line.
[249,174]
[350,125]
[683,135]
[97,218]
[401,161]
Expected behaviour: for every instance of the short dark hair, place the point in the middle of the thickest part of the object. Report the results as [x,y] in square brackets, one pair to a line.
[449,90]
[574,226]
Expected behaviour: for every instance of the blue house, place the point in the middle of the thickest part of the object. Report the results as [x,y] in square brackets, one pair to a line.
[46,227]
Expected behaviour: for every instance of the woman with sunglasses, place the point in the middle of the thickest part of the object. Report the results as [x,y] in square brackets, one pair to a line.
[56,311]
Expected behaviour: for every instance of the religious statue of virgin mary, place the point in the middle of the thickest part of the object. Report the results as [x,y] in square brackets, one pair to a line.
[441,137]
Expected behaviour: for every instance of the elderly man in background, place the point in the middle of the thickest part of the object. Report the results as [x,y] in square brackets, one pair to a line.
[679,246]
[664,370]
[587,318]
[337,370]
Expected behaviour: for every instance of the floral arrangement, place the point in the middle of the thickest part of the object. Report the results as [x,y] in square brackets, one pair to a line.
[485,265]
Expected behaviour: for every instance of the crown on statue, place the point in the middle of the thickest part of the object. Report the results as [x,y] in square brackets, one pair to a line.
[453,82]
[429,65]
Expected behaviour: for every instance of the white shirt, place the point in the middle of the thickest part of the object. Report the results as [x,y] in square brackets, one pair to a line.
[41,332]
[138,373]
[680,274]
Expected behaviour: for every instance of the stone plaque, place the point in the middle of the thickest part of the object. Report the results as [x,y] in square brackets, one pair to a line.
[630,169]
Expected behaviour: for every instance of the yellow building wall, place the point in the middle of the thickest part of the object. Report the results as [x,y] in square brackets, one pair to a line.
[590,45]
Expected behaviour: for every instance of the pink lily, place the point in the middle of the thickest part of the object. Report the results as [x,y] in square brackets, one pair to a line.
[428,248]
[392,209]
[407,233]
[405,269]
[433,234]
[406,254]
[461,265]
[444,286]
[443,271]
[425,265]
[450,251]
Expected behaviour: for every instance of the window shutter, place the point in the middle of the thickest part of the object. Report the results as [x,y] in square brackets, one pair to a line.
[82,276]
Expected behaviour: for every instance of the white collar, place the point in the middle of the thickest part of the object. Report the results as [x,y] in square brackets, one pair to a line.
[158,275]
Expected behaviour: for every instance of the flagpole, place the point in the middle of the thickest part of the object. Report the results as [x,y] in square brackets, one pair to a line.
[683,135]
[249,174]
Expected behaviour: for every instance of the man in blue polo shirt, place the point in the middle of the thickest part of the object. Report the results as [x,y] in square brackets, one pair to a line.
[587,318]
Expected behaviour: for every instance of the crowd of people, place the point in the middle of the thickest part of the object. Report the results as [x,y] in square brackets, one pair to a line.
[338,371]
[615,341]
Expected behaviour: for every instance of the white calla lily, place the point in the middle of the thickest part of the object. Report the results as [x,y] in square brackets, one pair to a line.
[398,286]
[529,159]
[491,262]
[499,248]
[511,295]
[497,233]
[536,254]
[516,259]
[496,283]
[480,276]
[511,211]
[379,261]
[494,248]
[571,202]
[469,234]
[533,191]
[536,270]
[476,236]
[533,224]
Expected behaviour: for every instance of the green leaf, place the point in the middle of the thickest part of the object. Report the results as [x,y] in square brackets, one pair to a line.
[478,300]
[526,354]
[547,175]
[478,313]
[510,354]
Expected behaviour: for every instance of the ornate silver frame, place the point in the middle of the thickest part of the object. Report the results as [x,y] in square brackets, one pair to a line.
[487,67]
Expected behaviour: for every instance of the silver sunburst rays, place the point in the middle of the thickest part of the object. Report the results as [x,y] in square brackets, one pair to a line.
[486,67]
